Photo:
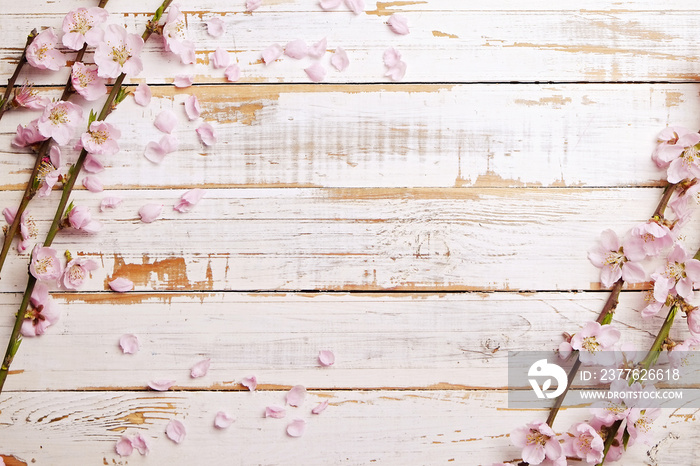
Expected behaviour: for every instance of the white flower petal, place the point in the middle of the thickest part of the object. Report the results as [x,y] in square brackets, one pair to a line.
[150,212]
[176,431]
[129,343]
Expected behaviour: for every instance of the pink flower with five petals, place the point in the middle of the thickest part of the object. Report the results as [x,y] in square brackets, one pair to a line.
[86,81]
[101,139]
[45,264]
[175,35]
[615,261]
[538,441]
[118,53]
[59,121]
[41,313]
[592,342]
[681,274]
[42,53]
[79,27]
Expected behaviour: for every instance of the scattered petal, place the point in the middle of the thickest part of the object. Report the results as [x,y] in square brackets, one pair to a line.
[329,4]
[150,212]
[124,446]
[189,200]
[93,184]
[398,24]
[251,5]
[129,343]
[316,72]
[296,49]
[321,407]
[251,383]
[192,107]
[215,27]
[319,48]
[295,396]
[175,431]
[326,357]
[392,57]
[92,164]
[296,428]
[233,73]
[142,95]
[161,385]
[200,369]
[340,59]
[166,121]
[397,72]
[357,6]
[121,285]
[156,151]
[110,202]
[271,53]
[207,134]
[183,80]
[139,442]
[223,420]
[220,58]
[275,412]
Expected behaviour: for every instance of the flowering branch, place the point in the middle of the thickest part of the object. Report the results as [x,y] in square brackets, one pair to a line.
[5,102]
[116,95]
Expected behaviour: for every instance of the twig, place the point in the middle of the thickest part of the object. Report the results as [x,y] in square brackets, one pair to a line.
[11,82]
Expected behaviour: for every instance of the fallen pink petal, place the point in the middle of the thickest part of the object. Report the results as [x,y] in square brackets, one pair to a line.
[251,383]
[129,343]
[316,72]
[183,80]
[139,442]
[271,53]
[319,48]
[221,58]
[215,27]
[192,107]
[329,4]
[189,200]
[319,408]
[93,184]
[156,151]
[340,59]
[142,95]
[326,357]
[275,412]
[206,134]
[391,57]
[398,24]
[223,420]
[121,285]
[356,6]
[233,73]
[124,446]
[150,212]
[251,5]
[296,395]
[396,72]
[110,202]
[176,431]
[296,428]
[161,385]
[166,121]
[296,49]
[200,369]
[93,164]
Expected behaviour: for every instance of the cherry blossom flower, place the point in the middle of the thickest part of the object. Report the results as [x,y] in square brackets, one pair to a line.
[118,53]
[150,212]
[206,134]
[86,81]
[329,4]
[233,73]
[639,423]
[687,164]
[251,382]
[340,59]
[28,135]
[45,264]
[129,343]
[296,428]
[192,107]
[110,202]
[326,357]
[586,443]
[684,204]
[683,352]
[200,369]
[161,385]
[398,24]
[101,139]
[356,6]
[271,53]
[41,313]
[319,48]
[295,396]
[176,431]
[316,72]
[59,120]
[648,239]
[121,285]
[296,49]
[189,200]
[319,408]
[215,27]
[275,412]
[671,146]
[76,272]
[538,442]
[124,447]
[79,27]
[156,151]
[80,218]
[223,420]
[220,58]
[42,54]
[251,5]
[681,274]
[142,95]
[28,231]
[613,260]
[396,69]
[166,121]
[175,35]
[593,341]
[26,97]
[613,408]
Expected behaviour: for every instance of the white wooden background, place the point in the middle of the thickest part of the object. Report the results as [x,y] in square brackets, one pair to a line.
[418,229]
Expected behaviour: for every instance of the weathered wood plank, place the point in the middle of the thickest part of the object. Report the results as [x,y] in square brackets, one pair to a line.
[392,136]
[464,427]
[391,340]
[634,41]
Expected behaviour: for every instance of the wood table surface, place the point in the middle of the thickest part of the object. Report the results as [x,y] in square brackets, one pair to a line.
[419,229]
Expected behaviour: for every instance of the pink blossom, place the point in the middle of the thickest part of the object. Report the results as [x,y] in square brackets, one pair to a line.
[79,27]
[215,27]
[683,352]
[9,213]
[694,322]
[192,107]
[610,257]
[175,35]
[319,408]
[395,67]
[538,442]
[271,53]
[251,5]
[176,431]
[101,138]
[295,396]
[118,53]
[45,264]
[684,204]
[639,423]
[51,179]
[220,58]
[124,447]
[329,4]
[55,156]
[296,49]
[648,239]
[93,164]
[275,412]
[41,313]
[316,72]
[653,307]
[319,48]
[251,382]
[586,443]
[80,218]
[28,135]
[121,285]
[166,121]
[398,24]
[326,357]
[76,272]
[59,120]
[189,200]
[129,343]
[669,148]
[200,369]
[686,165]
[613,408]
[142,95]
[161,385]
[206,134]
[340,59]
[27,230]
[156,151]
[356,6]
[86,81]
[682,274]
[233,73]
[42,53]
[26,97]
[110,202]
[150,212]
[593,341]
[182,81]
[223,420]
[296,428]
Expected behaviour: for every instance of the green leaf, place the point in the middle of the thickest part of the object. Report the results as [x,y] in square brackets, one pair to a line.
[159,14]
[93,117]
[15,346]
[69,208]
[625,438]
[121,95]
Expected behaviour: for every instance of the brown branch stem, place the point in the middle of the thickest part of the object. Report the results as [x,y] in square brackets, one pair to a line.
[13,79]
